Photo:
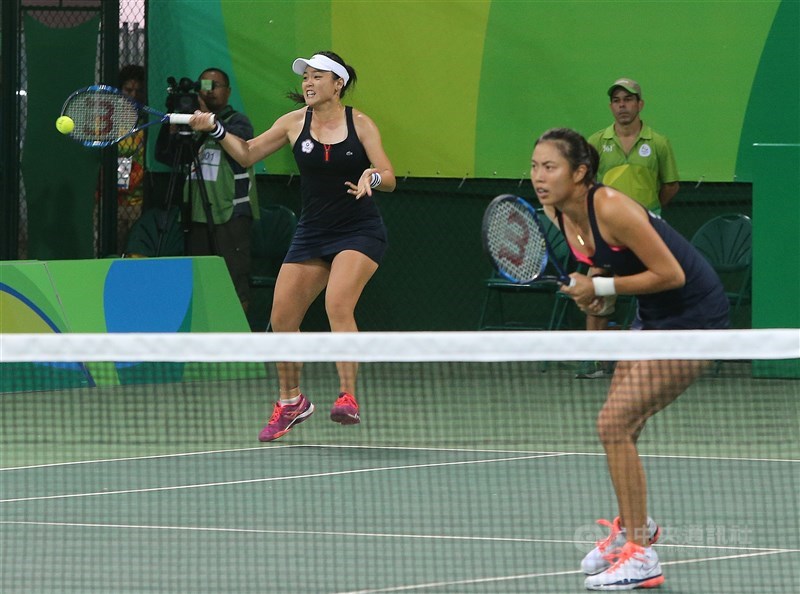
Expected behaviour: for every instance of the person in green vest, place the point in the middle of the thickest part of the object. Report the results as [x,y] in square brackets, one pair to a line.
[231,188]
[637,161]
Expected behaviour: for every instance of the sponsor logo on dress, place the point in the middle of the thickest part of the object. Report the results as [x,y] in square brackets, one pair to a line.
[644,150]
[307,146]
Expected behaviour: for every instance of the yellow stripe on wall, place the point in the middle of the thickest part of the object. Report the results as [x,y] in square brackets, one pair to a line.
[421,63]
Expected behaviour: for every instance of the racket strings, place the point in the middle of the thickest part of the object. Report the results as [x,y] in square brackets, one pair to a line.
[516,241]
[101,117]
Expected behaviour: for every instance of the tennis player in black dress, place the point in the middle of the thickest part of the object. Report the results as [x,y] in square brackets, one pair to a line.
[636,253]
[340,238]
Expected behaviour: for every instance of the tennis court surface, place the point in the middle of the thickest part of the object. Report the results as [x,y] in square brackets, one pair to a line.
[464,476]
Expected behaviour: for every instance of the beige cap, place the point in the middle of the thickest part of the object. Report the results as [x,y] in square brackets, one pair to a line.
[628,84]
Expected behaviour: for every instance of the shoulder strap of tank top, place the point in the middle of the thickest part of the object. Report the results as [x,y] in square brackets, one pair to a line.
[560,219]
[592,215]
[307,123]
[348,116]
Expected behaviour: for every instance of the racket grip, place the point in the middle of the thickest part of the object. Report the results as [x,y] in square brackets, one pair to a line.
[183,118]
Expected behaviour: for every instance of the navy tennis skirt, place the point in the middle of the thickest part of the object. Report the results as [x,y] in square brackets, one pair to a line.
[309,243]
[704,315]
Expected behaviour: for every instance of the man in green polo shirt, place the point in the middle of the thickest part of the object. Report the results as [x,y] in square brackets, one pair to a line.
[634,158]
[637,161]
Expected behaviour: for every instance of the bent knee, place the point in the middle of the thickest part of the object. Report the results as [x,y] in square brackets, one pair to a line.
[340,310]
[616,428]
[285,319]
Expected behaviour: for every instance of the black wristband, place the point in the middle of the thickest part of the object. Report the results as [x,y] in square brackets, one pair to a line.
[219,132]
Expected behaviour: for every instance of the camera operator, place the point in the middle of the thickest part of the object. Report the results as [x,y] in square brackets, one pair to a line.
[231,188]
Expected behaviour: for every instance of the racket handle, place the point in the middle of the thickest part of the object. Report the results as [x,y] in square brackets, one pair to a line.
[183,118]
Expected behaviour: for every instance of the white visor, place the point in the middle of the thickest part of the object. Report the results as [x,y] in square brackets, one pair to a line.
[320,62]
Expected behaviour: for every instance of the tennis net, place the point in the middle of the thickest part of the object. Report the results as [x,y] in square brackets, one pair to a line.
[132,462]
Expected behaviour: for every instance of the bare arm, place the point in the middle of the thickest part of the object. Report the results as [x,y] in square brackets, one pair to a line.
[249,152]
[667,192]
[370,137]
[623,222]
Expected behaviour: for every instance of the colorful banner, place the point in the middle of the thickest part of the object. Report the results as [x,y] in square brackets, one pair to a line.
[461,88]
[125,295]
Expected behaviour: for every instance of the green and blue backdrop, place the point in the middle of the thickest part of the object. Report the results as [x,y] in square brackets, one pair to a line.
[114,295]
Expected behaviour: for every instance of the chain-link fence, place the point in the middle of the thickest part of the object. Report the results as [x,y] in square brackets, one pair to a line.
[47,33]
[131,151]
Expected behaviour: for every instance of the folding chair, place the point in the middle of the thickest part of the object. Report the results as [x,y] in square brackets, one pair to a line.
[726,242]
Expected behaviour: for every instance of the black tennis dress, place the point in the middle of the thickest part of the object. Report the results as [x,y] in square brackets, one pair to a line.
[332,220]
[700,303]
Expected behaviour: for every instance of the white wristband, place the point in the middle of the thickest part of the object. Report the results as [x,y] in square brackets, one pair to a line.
[603,286]
[375,180]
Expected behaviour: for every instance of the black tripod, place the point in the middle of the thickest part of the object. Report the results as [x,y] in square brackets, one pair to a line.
[185,158]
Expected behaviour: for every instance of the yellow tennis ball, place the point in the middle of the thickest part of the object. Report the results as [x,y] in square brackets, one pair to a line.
[65,125]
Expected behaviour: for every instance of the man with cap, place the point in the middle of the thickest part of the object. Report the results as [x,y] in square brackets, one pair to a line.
[637,161]
[634,158]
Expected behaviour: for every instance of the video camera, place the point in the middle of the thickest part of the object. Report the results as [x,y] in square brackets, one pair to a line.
[182,96]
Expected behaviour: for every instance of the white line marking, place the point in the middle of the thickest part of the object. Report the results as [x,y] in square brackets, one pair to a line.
[270,479]
[750,551]
[535,575]
[338,534]
[368,447]
[134,458]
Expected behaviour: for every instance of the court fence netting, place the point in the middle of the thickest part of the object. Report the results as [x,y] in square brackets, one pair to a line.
[131,462]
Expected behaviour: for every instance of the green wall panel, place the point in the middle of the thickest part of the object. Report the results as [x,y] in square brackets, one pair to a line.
[59,176]
[421,69]
[462,88]
[773,112]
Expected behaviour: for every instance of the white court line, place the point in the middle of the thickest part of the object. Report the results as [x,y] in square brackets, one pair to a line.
[134,458]
[368,447]
[751,551]
[296,532]
[388,535]
[270,479]
[527,576]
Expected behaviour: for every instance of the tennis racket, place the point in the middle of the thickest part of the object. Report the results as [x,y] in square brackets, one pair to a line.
[104,116]
[516,242]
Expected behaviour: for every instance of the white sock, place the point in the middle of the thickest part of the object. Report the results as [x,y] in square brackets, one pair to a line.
[290,401]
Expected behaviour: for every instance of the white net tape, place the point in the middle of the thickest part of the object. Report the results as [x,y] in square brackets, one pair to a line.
[406,346]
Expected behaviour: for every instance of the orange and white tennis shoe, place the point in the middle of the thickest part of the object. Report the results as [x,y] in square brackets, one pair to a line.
[635,567]
[603,554]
